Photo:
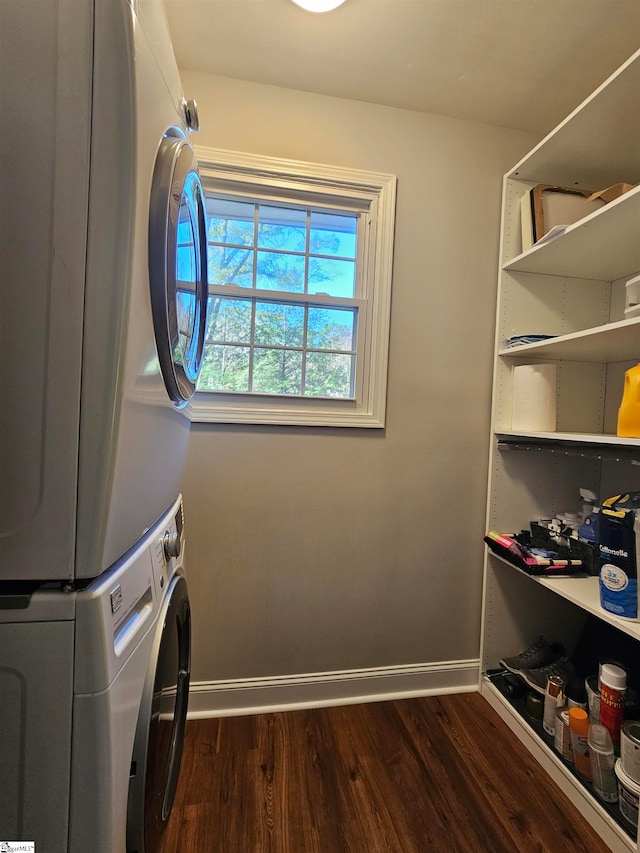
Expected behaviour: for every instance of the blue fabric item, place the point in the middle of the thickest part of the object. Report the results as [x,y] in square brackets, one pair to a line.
[542,552]
[520,340]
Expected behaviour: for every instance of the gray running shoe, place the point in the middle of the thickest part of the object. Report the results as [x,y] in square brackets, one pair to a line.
[537,678]
[539,654]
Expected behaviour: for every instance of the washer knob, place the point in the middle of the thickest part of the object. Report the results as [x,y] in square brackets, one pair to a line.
[171,544]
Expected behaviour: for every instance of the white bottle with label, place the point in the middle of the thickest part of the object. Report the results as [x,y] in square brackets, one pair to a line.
[602,763]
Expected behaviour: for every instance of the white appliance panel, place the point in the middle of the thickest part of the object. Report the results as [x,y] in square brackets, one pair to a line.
[36,684]
[44,167]
[91,446]
[74,668]
[137,456]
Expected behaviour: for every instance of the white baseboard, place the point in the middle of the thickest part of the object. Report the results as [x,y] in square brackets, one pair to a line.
[322,689]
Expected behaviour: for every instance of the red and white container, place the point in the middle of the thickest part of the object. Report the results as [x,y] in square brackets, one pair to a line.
[613,686]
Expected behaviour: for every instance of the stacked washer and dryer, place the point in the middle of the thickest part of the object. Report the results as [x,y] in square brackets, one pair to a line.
[103,270]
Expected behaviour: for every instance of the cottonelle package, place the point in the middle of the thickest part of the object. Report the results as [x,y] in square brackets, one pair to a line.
[619,546]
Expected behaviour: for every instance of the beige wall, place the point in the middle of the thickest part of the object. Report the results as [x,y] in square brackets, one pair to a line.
[315,550]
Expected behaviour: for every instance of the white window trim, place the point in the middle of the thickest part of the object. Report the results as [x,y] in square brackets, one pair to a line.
[234,169]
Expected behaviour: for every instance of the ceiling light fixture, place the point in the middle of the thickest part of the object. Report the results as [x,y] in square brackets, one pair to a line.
[319,5]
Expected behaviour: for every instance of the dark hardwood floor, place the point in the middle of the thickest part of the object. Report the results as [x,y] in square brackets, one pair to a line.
[430,774]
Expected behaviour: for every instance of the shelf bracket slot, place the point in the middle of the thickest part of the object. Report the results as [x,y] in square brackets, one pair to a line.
[583,451]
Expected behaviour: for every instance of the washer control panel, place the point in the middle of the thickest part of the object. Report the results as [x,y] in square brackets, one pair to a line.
[168,549]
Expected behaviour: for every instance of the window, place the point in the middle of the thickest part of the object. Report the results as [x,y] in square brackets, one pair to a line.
[299,260]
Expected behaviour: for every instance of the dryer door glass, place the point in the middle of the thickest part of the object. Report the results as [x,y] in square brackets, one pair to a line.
[178,266]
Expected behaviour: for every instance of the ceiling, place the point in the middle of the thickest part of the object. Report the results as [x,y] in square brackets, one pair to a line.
[513,63]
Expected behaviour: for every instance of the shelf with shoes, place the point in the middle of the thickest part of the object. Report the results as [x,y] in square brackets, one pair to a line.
[498,694]
[577,648]
[519,608]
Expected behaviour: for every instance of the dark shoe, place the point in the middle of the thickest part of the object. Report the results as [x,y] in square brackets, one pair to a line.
[539,654]
[537,678]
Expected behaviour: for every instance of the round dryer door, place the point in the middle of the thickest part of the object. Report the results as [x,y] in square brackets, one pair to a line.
[159,737]
[178,265]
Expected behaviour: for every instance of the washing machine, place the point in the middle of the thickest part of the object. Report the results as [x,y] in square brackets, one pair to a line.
[103,257]
[94,687]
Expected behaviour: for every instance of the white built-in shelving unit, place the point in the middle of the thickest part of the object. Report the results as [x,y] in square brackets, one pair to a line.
[572,287]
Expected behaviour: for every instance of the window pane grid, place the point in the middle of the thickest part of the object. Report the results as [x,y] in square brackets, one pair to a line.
[288,358]
[297,325]
[335,269]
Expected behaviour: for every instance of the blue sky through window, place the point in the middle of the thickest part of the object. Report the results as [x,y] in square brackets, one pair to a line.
[276,240]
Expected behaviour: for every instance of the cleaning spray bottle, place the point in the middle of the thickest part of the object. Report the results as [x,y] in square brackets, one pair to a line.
[629,411]
[579,725]
[602,763]
[588,530]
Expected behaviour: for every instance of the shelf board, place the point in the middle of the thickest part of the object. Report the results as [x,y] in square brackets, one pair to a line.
[597,144]
[602,344]
[602,246]
[574,440]
[582,591]
[609,829]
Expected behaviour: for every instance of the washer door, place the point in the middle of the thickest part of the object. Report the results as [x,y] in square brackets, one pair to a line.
[157,751]
[178,265]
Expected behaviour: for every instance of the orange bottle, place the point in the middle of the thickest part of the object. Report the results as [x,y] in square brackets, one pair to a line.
[579,725]
[629,411]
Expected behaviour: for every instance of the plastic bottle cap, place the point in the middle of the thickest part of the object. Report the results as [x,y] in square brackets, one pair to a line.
[579,721]
[600,738]
[613,676]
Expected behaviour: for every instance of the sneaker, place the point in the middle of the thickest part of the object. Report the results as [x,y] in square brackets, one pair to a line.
[539,654]
[537,678]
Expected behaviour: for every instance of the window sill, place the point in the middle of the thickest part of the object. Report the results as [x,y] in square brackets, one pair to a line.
[294,412]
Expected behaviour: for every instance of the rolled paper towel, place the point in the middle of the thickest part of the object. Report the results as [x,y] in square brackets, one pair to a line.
[534,398]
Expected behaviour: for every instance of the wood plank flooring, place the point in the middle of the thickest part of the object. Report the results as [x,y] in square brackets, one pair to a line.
[441,774]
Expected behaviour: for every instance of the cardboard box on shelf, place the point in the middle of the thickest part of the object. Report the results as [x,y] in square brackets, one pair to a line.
[612,192]
[555,206]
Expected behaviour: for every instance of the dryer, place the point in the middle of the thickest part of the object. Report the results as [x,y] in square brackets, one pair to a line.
[104,274]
